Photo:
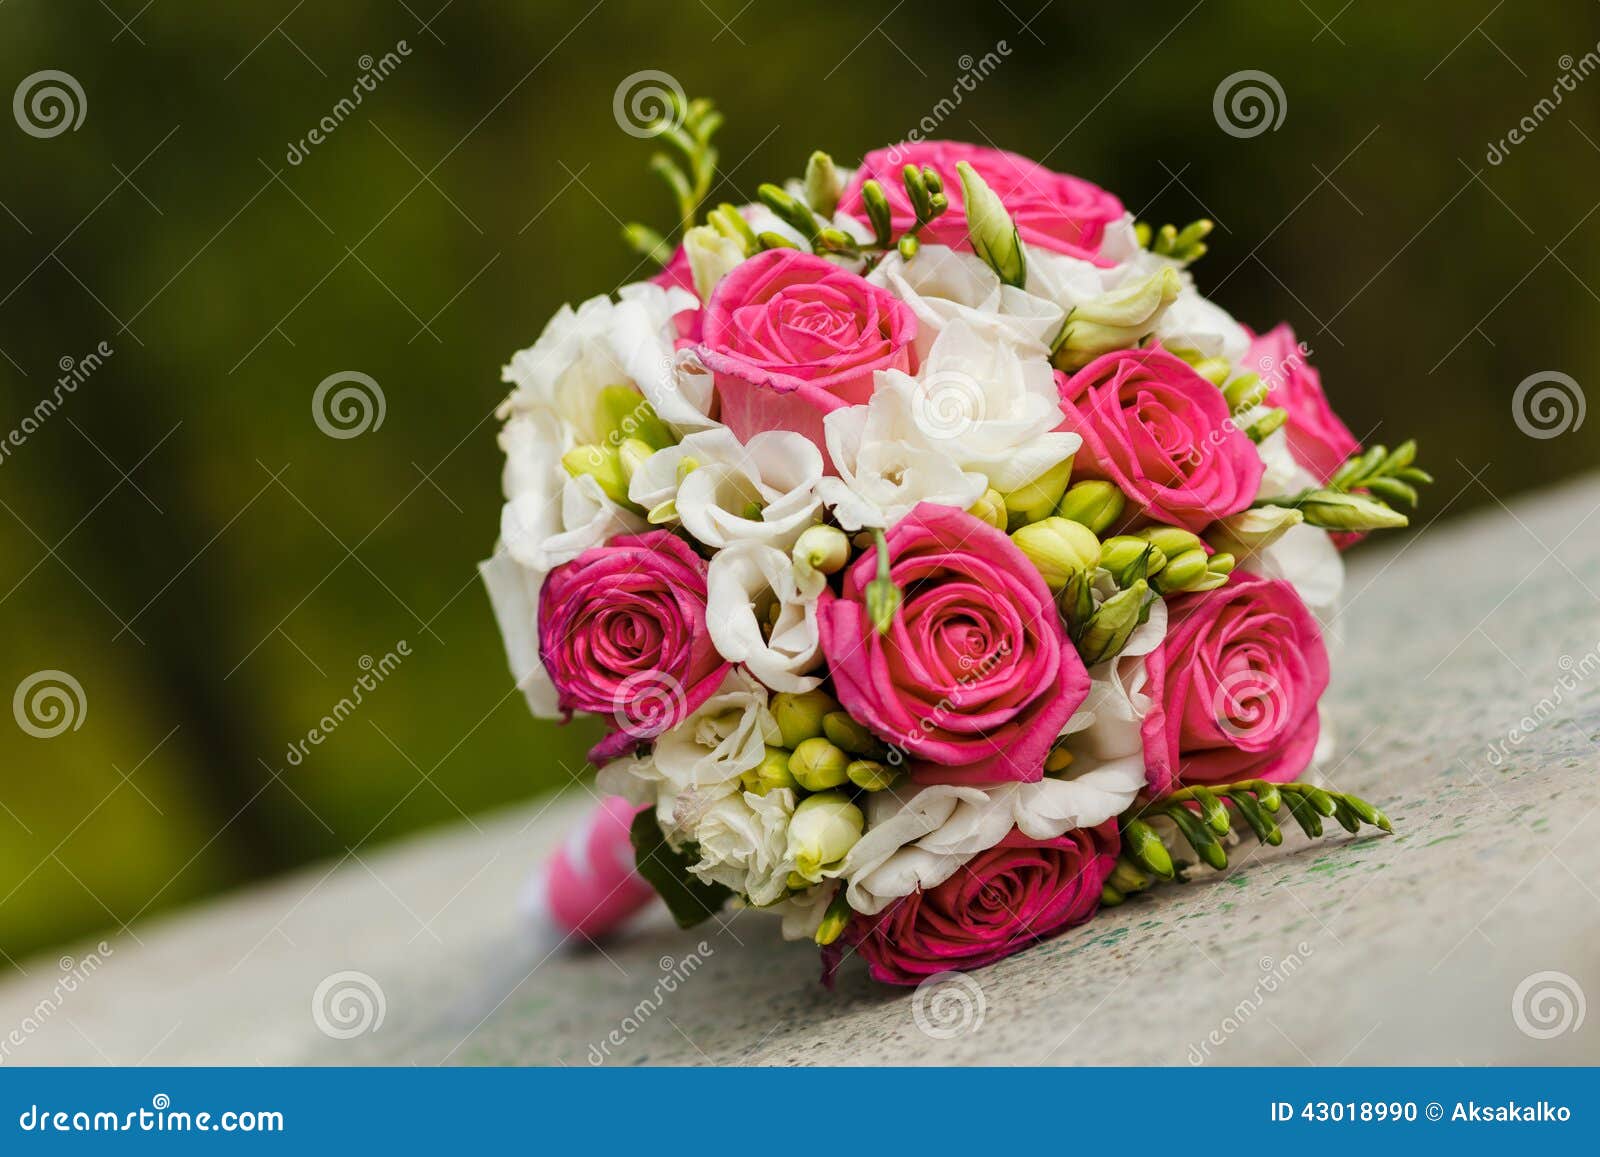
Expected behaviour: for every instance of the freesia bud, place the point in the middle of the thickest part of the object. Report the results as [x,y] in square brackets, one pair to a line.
[1115,320]
[844,732]
[770,774]
[822,184]
[604,465]
[823,549]
[1107,631]
[1182,571]
[1242,534]
[1333,510]
[1245,392]
[818,765]
[799,714]
[870,775]
[883,595]
[1038,499]
[991,508]
[1094,503]
[1129,557]
[994,235]
[712,256]
[1170,540]
[822,831]
[834,920]
[1059,547]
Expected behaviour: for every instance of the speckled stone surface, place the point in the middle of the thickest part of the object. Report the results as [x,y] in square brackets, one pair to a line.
[1377,950]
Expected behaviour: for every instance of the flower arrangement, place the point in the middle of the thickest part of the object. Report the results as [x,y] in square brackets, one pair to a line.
[944,565]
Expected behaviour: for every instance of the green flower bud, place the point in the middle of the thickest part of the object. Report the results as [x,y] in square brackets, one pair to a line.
[799,714]
[1213,370]
[712,256]
[823,185]
[1140,841]
[1094,503]
[1241,535]
[1245,392]
[1182,571]
[877,206]
[1332,510]
[844,732]
[770,774]
[834,920]
[822,831]
[821,549]
[1170,540]
[646,242]
[994,235]
[604,465]
[1038,499]
[1059,547]
[1268,423]
[883,596]
[1107,631]
[622,412]
[728,221]
[789,210]
[991,508]
[818,765]
[870,775]
[633,453]
[1115,320]
[1057,761]
[1129,557]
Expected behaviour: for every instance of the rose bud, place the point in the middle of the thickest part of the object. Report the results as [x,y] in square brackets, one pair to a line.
[823,830]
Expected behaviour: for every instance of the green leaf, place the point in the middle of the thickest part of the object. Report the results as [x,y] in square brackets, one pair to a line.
[689,899]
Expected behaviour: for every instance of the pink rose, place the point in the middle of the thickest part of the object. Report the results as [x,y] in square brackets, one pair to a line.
[1163,435]
[1051,210]
[791,337]
[622,632]
[976,676]
[1234,687]
[1318,440]
[1016,894]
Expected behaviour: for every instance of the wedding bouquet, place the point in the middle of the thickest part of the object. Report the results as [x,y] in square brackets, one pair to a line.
[943,565]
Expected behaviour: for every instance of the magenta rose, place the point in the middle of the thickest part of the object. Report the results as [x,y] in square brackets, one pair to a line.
[1163,435]
[622,632]
[1016,894]
[1318,440]
[1234,687]
[1052,210]
[976,676]
[791,337]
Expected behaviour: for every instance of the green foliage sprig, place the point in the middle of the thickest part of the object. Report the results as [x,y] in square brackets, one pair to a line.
[1203,815]
[1363,493]
[689,168]
[1185,246]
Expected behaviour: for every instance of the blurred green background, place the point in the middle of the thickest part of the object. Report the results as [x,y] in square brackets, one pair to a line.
[211,568]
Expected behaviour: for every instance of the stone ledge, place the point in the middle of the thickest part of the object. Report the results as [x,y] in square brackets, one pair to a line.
[1406,949]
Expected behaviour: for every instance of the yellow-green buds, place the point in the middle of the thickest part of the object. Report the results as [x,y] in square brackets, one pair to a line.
[818,765]
[712,256]
[993,233]
[728,221]
[844,732]
[883,596]
[633,453]
[1038,499]
[870,775]
[1170,540]
[822,184]
[789,210]
[1265,424]
[834,920]
[877,206]
[799,714]
[770,774]
[1058,760]
[991,508]
[1129,557]
[1252,529]
[1107,629]
[622,412]
[646,242]
[821,550]
[1094,503]
[1245,392]
[604,465]
[1059,547]
[1332,510]
[1144,846]
[822,831]
[1180,245]
[1115,320]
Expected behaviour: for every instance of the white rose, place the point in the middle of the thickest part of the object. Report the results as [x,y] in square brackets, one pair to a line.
[741,839]
[942,286]
[760,615]
[994,407]
[762,491]
[1194,323]
[702,758]
[885,465]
